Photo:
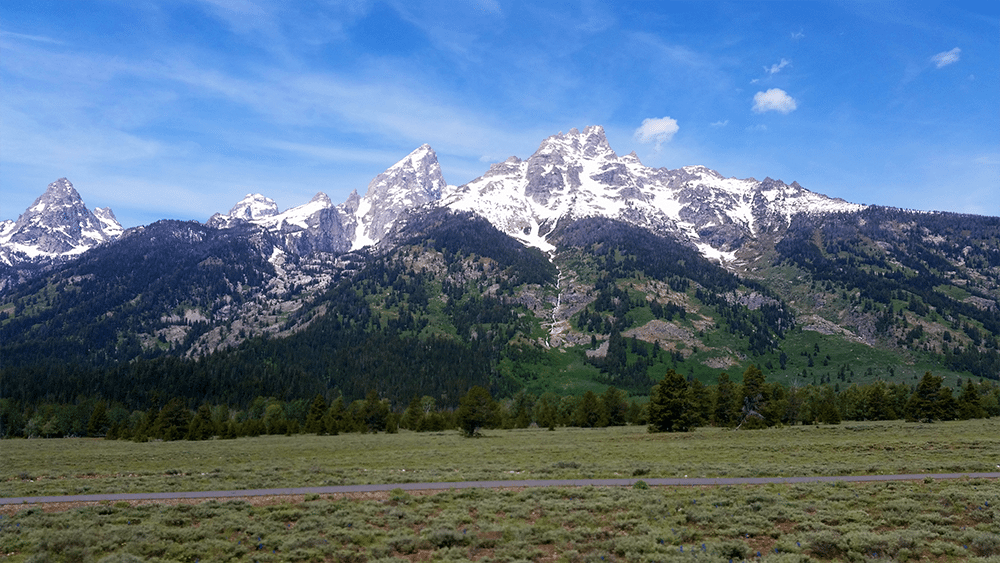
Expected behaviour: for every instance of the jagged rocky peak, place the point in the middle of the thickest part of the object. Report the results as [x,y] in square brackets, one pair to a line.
[58,223]
[415,177]
[414,181]
[254,206]
[109,223]
[321,199]
[591,143]
[350,206]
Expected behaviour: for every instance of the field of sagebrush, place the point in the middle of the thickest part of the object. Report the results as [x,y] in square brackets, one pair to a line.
[897,521]
[904,521]
[89,466]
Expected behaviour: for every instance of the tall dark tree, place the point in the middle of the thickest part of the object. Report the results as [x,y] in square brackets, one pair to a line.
[753,398]
[590,412]
[476,409]
[172,421]
[413,415]
[927,402]
[99,423]
[670,405]
[725,401]
[314,420]
[201,426]
[615,406]
[375,413]
[969,403]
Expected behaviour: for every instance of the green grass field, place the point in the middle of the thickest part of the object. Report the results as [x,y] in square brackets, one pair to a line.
[88,466]
[925,520]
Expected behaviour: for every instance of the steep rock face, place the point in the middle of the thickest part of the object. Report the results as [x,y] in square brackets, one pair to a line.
[316,226]
[414,181]
[577,175]
[57,225]
[321,226]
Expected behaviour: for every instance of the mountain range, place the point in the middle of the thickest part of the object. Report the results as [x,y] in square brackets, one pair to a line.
[535,272]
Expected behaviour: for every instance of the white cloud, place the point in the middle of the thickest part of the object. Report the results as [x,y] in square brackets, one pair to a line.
[660,130]
[796,35]
[776,67]
[720,123]
[774,99]
[946,58]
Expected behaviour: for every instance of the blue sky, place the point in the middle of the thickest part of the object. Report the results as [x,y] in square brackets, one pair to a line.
[176,109]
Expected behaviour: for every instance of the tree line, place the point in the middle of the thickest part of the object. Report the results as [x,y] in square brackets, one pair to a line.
[675,404]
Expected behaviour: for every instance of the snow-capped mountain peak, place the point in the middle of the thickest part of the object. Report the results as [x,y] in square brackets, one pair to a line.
[577,175]
[571,176]
[414,181]
[58,224]
[254,206]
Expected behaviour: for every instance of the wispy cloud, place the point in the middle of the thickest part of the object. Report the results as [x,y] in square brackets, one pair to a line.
[774,99]
[36,38]
[796,35]
[776,67]
[718,124]
[946,58]
[659,130]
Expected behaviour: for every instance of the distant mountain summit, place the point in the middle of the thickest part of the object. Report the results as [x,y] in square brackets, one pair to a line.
[577,175]
[57,225]
[571,176]
[414,181]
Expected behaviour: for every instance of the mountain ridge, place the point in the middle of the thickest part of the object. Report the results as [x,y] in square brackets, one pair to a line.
[574,265]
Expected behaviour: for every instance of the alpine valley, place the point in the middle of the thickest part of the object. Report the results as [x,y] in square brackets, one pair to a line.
[572,270]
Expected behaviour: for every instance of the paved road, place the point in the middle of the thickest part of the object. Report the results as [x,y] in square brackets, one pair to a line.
[685,482]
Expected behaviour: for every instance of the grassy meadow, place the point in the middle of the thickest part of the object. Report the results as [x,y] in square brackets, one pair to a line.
[925,520]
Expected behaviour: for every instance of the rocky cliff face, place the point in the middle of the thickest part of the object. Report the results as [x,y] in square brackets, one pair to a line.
[409,184]
[577,175]
[57,225]
[319,225]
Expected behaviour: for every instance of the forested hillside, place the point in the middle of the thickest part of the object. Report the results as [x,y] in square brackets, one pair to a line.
[187,314]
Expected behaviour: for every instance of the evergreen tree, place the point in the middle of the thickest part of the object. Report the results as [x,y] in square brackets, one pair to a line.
[701,403]
[590,412]
[172,421]
[546,412]
[615,406]
[670,405]
[969,402]
[878,405]
[725,401]
[413,415]
[476,409]
[375,412]
[828,412]
[925,404]
[317,410]
[753,399]
[201,426]
[333,420]
[98,424]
